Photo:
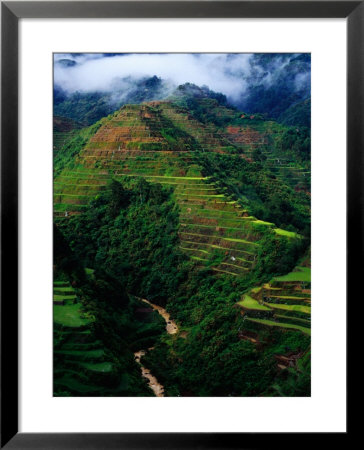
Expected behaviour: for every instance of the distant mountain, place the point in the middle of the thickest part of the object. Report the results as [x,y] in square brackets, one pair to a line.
[89,107]
[64,125]
[66,62]
[192,91]
[298,114]
[278,86]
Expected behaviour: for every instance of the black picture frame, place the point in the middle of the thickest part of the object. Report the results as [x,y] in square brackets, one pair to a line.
[11,12]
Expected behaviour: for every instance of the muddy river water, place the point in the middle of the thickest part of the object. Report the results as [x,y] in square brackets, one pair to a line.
[171,328]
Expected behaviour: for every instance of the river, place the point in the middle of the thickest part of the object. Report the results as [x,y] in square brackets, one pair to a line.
[171,328]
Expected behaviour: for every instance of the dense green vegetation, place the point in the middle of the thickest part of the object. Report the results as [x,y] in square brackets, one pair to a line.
[202,210]
[89,107]
[72,147]
[86,108]
[96,331]
[262,194]
[131,232]
[214,360]
[296,142]
[297,114]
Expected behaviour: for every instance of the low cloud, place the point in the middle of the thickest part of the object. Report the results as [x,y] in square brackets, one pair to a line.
[230,74]
[96,72]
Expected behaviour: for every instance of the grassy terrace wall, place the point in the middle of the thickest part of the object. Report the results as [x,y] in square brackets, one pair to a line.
[82,367]
[257,140]
[284,302]
[63,130]
[157,141]
[86,362]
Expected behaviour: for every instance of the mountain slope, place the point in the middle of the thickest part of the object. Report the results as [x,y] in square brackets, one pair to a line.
[164,143]
[184,202]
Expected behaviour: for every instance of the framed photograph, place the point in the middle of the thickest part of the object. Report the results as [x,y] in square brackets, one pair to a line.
[181,212]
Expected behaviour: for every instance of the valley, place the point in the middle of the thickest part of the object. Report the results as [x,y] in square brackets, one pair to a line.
[183,261]
[171,328]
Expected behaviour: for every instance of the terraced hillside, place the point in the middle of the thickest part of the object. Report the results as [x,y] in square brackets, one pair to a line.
[284,302]
[85,364]
[63,129]
[159,141]
[284,151]
[260,140]
[81,364]
[137,192]
[182,226]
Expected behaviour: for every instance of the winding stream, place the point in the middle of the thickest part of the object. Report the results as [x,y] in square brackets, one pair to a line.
[171,328]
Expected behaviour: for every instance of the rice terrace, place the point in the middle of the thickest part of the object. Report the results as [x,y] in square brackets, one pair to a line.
[182,222]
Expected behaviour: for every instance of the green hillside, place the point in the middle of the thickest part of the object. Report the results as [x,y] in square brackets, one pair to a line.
[204,211]
[94,330]
[161,143]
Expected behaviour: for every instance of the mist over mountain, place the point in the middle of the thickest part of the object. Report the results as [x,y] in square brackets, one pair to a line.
[279,86]
[88,107]
[90,86]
